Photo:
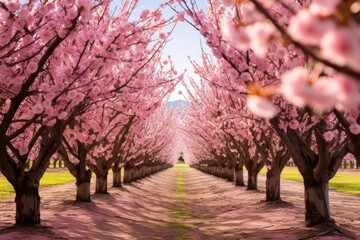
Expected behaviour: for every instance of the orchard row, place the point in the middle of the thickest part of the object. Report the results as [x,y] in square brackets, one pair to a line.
[82,81]
[280,82]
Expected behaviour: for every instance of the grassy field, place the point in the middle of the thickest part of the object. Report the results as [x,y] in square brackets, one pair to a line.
[344,182]
[181,166]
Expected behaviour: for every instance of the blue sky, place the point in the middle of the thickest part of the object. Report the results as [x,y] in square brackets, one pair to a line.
[185,40]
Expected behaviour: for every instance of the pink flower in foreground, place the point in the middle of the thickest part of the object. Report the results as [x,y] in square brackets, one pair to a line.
[342,47]
[348,95]
[291,84]
[262,106]
[308,29]
[328,136]
[323,8]
[322,94]
[228,3]
[355,129]
[234,34]
[297,89]
[261,34]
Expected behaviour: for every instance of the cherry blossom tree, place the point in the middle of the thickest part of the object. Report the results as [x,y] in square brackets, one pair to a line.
[33,89]
[59,60]
[253,37]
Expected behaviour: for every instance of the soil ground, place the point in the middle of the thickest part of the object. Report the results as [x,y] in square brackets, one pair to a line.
[180,204]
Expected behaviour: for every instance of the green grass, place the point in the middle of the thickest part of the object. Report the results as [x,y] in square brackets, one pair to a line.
[5,187]
[56,178]
[181,166]
[344,182]
[179,225]
[180,215]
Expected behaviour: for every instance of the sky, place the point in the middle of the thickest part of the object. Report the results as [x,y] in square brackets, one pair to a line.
[185,42]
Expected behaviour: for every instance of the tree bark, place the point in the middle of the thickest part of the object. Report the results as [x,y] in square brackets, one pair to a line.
[273,185]
[230,174]
[116,176]
[83,187]
[101,182]
[317,208]
[239,177]
[252,180]
[27,206]
[127,175]
[54,163]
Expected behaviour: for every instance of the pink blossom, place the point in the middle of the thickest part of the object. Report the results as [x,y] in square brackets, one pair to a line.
[72,94]
[51,123]
[355,128]
[144,14]
[281,52]
[96,90]
[296,88]
[261,35]
[348,95]
[162,35]
[291,83]
[323,8]
[294,124]
[249,13]
[262,107]
[342,47]
[329,136]
[32,67]
[13,6]
[322,94]
[62,115]
[228,3]
[38,108]
[181,16]
[308,29]
[6,106]
[234,34]
[72,14]
[23,149]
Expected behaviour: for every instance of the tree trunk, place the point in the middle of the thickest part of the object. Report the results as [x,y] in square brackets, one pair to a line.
[252,180]
[230,174]
[127,175]
[83,187]
[273,185]
[101,183]
[317,208]
[239,177]
[116,177]
[27,206]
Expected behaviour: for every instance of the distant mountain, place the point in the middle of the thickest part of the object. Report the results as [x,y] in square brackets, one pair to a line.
[177,104]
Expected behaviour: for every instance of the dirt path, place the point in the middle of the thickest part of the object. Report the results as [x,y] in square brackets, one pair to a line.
[176,204]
